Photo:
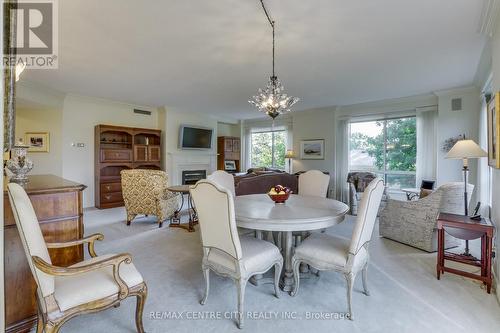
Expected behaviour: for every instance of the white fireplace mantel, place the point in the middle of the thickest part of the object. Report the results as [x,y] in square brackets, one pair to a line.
[185,161]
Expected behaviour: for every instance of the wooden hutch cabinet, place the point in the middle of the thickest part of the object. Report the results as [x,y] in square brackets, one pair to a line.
[118,148]
[228,149]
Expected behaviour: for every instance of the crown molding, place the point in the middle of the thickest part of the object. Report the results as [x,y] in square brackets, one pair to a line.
[456,91]
[489,17]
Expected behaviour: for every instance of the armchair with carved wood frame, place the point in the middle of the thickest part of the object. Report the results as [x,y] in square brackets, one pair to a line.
[86,287]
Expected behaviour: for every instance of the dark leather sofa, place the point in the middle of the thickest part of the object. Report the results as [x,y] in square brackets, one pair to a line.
[261,183]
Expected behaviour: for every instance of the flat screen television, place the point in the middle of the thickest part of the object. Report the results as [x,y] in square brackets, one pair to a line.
[191,137]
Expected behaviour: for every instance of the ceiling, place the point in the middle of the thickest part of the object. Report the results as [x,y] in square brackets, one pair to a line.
[212,56]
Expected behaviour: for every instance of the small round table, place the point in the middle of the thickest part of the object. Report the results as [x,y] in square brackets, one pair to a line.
[411,193]
[175,221]
[299,213]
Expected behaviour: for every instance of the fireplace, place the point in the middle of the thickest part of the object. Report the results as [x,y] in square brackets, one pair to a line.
[190,177]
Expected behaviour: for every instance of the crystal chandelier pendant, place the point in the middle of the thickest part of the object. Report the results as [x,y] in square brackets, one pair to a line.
[272,100]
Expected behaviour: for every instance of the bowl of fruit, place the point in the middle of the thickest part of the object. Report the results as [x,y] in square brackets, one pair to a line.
[279,194]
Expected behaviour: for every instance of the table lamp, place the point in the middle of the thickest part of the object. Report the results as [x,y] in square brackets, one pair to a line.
[465,149]
[289,154]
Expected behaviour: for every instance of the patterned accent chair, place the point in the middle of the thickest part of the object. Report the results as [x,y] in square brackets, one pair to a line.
[358,181]
[145,192]
[414,222]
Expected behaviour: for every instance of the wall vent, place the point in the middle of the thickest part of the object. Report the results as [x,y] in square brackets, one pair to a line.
[147,113]
[456,104]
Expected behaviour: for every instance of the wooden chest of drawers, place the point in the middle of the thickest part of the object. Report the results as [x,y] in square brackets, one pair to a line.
[58,207]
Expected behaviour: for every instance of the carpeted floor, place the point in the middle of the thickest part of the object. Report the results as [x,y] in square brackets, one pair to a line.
[405,295]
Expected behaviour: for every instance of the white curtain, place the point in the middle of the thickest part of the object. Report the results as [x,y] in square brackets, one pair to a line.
[484,176]
[426,144]
[342,160]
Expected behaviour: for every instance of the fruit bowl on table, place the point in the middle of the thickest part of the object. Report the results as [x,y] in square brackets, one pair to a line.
[279,194]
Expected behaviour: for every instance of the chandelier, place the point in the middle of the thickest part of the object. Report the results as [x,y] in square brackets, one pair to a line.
[272,100]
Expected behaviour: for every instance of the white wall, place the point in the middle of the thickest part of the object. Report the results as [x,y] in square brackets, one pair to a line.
[454,123]
[310,125]
[80,115]
[172,121]
[42,120]
[226,129]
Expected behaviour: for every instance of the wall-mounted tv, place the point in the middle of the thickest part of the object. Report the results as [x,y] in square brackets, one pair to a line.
[191,137]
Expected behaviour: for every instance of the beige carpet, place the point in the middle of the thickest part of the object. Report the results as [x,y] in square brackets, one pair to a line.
[405,295]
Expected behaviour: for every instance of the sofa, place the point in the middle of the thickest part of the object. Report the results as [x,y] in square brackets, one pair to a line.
[254,183]
[414,222]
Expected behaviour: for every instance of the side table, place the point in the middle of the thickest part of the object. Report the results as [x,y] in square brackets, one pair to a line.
[175,221]
[482,228]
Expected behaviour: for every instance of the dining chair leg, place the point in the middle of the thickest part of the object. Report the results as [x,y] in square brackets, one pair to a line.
[206,274]
[296,277]
[39,324]
[364,276]
[139,309]
[51,329]
[350,283]
[277,274]
[240,285]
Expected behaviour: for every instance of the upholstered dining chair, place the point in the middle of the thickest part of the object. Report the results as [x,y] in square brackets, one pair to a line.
[314,183]
[88,286]
[145,192]
[349,257]
[224,252]
[223,179]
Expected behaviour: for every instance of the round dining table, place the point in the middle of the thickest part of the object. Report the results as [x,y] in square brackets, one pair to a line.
[298,213]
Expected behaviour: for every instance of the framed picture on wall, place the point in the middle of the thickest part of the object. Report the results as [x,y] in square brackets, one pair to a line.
[230,165]
[37,141]
[312,149]
[494,131]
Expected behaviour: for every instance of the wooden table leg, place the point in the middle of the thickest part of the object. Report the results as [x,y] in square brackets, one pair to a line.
[484,255]
[489,250]
[440,253]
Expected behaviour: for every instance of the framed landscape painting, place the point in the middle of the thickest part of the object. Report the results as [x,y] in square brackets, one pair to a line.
[494,131]
[312,149]
[37,141]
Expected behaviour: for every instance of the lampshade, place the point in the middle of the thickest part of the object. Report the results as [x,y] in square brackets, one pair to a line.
[289,154]
[466,149]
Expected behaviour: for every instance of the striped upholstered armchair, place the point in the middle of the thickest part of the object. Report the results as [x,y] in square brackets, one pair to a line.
[145,192]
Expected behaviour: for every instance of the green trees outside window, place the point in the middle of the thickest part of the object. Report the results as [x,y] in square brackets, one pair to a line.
[268,149]
[386,147]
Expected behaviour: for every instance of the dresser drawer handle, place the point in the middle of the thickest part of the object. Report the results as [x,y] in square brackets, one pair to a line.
[107,197]
[108,187]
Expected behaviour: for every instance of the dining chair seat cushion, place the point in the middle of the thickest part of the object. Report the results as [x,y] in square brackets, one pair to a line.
[257,256]
[327,251]
[71,291]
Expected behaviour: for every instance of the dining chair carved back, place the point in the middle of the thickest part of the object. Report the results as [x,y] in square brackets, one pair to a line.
[314,183]
[224,252]
[349,257]
[88,286]
[223,179]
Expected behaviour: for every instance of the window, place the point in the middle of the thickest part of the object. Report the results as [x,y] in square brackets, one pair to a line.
[268,149]
[387,148]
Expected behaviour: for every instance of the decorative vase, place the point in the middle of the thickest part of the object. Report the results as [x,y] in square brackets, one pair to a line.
[19,164]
